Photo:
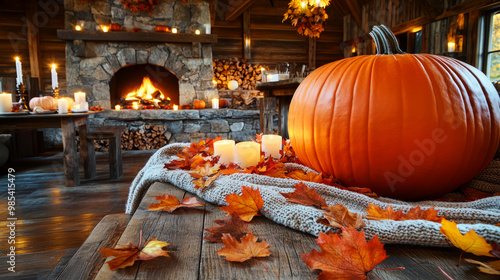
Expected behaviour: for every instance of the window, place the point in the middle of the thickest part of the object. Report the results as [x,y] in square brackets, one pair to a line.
[492,46]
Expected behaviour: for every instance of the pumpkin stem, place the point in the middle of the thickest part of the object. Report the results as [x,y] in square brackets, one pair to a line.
[385,41]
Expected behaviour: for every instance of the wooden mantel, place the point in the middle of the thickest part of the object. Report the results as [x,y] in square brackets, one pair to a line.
[124,36]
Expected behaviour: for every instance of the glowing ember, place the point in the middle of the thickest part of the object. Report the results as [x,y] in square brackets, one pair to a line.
[147,92]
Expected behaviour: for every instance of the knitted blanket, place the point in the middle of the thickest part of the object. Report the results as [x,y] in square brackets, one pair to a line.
[481,215]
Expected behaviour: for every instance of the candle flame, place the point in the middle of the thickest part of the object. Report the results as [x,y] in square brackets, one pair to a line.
[197,32]
[53,66]
[17,58]
[78,28]
[104,28]
[174,30]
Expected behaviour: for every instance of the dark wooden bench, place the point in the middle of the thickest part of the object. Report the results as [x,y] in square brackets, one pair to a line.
[113,134]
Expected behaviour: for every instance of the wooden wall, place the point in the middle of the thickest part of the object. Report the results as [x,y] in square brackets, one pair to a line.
[273,41]
[442,23]
[47,16]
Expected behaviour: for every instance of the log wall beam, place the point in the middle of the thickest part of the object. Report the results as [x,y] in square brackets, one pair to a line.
[247,42]
[312,53]
[235,8]
[33,35]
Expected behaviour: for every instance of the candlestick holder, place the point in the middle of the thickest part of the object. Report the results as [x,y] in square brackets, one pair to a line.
[21,95]
[55,92]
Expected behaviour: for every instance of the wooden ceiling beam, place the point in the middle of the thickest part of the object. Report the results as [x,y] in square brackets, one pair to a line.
[355,9]
[235,8]
[432,8]
[467,7]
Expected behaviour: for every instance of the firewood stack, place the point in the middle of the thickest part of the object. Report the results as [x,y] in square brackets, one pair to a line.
[145,138]
[243,72]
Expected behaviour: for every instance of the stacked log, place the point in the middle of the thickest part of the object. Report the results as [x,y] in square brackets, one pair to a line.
[145,138]
[243,72]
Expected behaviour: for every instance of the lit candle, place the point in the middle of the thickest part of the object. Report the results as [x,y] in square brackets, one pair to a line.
[62,106]
[135,105]
[104,28]
[247,154]
[55,82]
[19,72]
[176,107]
[79,97]
[215,103]
[224,149]
[78,28]
[207,28]
[451,46]
[215,83]
[197,32]
[117,107]
[174,30]
[271,145]
[5,102]
[77,107]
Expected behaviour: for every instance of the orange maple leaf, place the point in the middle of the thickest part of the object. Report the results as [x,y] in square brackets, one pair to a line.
[345,257]
[126,255]
[246,249]
[309,176]
[339,216]
[365,191]
[235,226]
[207,169]
[305,196]
[377,213]
[202,183]
[268,167]
[258,138]
[169,203]
[247,205]
[469,242]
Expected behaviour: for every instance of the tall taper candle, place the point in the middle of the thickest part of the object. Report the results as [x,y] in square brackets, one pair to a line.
[55,83]
[224,149]
[19,72]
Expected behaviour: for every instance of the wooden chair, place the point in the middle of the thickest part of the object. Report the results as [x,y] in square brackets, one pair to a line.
[113,134]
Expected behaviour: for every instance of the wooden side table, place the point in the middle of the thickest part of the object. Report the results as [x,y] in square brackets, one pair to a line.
[276,94]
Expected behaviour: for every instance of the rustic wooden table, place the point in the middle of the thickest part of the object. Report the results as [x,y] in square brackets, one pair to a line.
[276,94]
[195,258]
[68,123]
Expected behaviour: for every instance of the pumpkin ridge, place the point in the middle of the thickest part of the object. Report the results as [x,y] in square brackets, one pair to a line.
[470,112]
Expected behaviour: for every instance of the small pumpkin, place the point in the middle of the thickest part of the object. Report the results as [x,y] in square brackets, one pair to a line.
[45,102]
[162,28]
[407,126]
[223,103]
[186,107]
[199,104]
[115,27]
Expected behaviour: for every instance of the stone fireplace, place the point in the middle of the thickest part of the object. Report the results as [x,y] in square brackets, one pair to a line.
[91,65]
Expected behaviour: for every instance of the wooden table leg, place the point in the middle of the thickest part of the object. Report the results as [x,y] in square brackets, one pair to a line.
[87,153]
[70,159]
[267,111]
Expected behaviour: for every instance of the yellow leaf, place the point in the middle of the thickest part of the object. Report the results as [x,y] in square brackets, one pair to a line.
[469,242]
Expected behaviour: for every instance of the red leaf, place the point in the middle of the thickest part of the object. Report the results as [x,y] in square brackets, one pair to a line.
[305,196]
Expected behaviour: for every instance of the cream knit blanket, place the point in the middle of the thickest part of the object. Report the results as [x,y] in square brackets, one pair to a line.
[480,215]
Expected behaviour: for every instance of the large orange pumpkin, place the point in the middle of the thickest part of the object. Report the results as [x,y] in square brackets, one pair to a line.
[199,104]
[407,126]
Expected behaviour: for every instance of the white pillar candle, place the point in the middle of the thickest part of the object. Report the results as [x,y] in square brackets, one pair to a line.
[55,82]
[62,106]
[5,102]
[118,107]
[224,149]
[207,28]
[215,103]
[19,72]
[451,47]
[176,107]
[271,145]
[80,97]
[247,154]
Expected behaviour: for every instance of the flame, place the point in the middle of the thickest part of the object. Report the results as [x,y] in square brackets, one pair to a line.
[145,92]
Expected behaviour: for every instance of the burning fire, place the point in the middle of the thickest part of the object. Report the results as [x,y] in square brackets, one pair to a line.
[147,93]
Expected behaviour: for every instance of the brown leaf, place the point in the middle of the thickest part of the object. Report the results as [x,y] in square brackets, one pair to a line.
[305,196]
[242,251]
[489,267]
[126,255]
[339,216]
[346,256]
[377,213]
[235,226]
[169,203]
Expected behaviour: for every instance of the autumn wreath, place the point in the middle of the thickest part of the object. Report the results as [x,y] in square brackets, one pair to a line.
[307,16]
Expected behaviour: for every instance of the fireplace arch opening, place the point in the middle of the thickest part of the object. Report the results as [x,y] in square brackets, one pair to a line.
[133,80]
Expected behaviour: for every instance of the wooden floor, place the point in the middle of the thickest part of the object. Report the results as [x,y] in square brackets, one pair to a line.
[54,220]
